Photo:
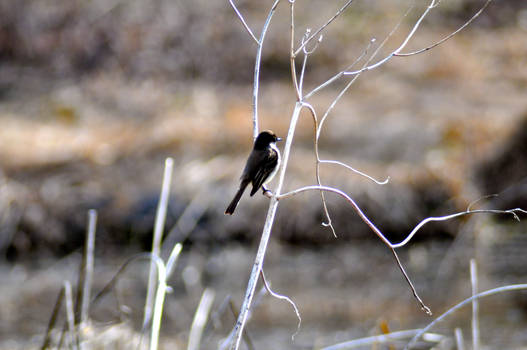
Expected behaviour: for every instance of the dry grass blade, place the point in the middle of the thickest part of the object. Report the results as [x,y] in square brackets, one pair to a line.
[384,338]
[53,320]
[158,234]
[70,317]
[460,343]
[86,275]
[200,319]
[475,304]
[508,288]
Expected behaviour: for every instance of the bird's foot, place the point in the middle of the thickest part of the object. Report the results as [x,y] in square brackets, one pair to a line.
[266,192]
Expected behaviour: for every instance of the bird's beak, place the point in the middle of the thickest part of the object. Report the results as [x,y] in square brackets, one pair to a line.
[278,139]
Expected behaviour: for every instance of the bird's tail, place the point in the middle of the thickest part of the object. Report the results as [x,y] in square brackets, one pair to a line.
[236,199]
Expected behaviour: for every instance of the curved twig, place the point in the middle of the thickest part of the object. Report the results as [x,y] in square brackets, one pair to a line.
[283,297]
[336,162]
[467,301]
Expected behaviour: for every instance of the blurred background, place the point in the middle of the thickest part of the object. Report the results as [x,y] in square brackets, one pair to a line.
[94,95]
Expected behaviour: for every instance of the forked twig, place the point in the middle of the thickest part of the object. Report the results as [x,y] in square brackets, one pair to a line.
[448,36]
[257,65]
[319,30]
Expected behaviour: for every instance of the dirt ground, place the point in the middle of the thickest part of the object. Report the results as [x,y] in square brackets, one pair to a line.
[81,130]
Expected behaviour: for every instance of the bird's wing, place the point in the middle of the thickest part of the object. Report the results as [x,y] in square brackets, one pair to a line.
[264,169]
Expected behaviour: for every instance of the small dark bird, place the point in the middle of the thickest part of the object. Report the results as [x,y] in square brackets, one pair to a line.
[261,166]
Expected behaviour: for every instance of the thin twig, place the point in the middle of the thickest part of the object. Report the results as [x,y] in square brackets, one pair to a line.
[341,73]
[401,47]
[286,298]
[240,17]
[292,53]
[319,30]
[336,162]
[425,308]
[364,218]
[317,170]
[474,202]
[508,288]
[448,36]
[257,65]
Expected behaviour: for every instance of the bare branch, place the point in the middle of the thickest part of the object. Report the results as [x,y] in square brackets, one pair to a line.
[306,52]
[425,308]
[266,233]
[432,5]
[448,36]
[286,298]
[364,218]
[452,216]
[319,30]
[340,74]
[336,162]
[487,293]
[317,170]
[257,64]
[240,17]
[480,199]
[292,54]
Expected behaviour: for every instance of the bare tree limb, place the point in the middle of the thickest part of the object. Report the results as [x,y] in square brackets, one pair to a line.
[319,30]
[425,308]
[240,17]
[257,65]
[292,54]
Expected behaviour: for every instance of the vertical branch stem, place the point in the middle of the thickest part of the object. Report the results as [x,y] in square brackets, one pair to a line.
[292,55]
[262,248]
[257,65]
